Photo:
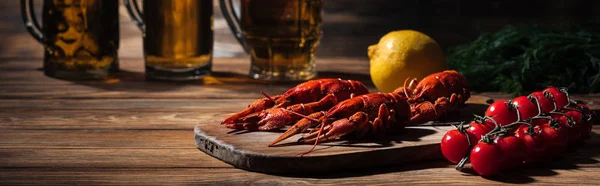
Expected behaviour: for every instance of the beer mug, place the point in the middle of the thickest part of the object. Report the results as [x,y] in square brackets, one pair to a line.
[80,37]
[178,37]
[281,36]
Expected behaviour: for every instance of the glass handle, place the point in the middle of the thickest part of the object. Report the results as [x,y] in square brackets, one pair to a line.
[31,23]
[134,12]
[234,22]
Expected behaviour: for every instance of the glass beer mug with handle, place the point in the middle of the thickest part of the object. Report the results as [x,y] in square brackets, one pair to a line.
[178,37]
[80,37]
[281,36]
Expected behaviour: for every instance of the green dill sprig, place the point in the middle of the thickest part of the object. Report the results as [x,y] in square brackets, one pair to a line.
[522,59]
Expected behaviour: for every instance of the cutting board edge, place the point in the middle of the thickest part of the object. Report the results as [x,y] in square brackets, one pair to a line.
[277,164]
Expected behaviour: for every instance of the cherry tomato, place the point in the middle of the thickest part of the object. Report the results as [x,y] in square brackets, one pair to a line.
[526,108]
[455,146]
[586,109]
[579,127]
[514,150]
[535,143]
[539,121]
[563,122]
[560,98]
[502,111]
[546,104]
[476,131]
[556,139]
[487,159]
[576,115]
[586,122]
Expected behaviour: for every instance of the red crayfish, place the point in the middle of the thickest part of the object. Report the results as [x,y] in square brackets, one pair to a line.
[377,113]
[435,95]
[312,96]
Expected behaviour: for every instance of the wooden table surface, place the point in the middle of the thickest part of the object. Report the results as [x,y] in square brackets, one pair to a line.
[129,131]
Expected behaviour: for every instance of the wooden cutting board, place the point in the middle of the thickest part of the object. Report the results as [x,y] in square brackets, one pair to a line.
[249,151]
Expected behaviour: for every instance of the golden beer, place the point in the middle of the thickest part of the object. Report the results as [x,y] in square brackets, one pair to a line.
[281,37]
[178,38]
[80,38]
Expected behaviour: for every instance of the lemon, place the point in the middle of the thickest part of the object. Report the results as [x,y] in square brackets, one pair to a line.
[403,54]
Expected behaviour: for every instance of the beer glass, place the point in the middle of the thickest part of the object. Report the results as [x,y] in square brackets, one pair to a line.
[281,36]
[80,37]
[178,37]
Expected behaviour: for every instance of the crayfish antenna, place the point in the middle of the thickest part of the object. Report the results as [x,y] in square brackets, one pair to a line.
[302,115]
[267,96]
[404,86]
[314,145]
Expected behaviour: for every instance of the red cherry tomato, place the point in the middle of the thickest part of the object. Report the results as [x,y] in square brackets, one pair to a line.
[539,121]
[455,146]
[546,104]
[586,122]
[514,150]
[563,122]
[526,108]
[535,143]
[487,159]
[560,98]
[579,127]
[556,139]
[502,111]
[576,115]
[476,131]
[585,107]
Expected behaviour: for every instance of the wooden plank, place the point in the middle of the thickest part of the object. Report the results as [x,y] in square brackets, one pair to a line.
[137,105]
[426,173]
[90,119]
[107,157]
[114,114]
[95,139]
[93,119]
[134,91]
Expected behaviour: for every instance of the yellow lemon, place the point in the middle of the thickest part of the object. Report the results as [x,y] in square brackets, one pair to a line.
[404,54]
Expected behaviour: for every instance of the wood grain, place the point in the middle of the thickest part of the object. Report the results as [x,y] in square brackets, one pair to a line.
[106,157]
[92,119]
[95,139]
[430,173]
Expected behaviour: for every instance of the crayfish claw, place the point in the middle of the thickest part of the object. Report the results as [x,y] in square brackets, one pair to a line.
[301,126]
[337,129]
[273,119]
[289,133]
[254,108]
